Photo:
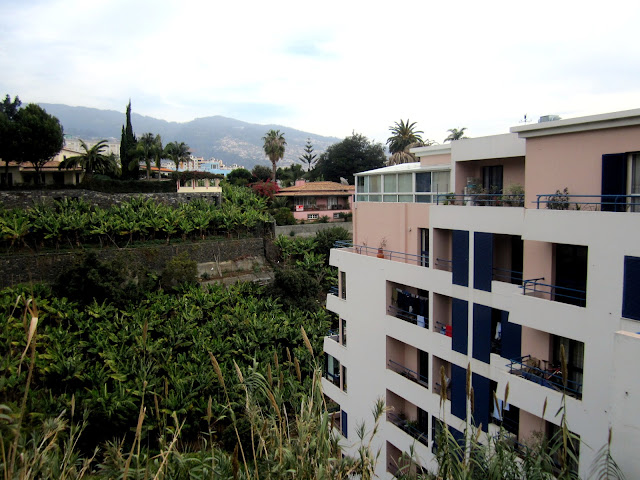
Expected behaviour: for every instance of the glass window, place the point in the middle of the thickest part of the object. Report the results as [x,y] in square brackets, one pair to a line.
[362,185]
[344,332]
[405,198]
[374,183]
[423,182]
[343,285]
[440,182]
[390,184]
[362,198]
[404,182]
[375,198]
[391,198]
[423,198]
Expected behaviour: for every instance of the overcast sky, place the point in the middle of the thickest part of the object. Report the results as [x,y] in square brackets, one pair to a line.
[329,67]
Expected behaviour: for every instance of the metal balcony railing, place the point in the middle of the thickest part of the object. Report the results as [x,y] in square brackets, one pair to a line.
[419,320]
[444,264]
[443,328]
[481,199]
[408,373]
[526,367]
[611,203]
[334,335]
[507,276]
[421,260]
[334,291]
[333,378]
[410,427]
[557,293]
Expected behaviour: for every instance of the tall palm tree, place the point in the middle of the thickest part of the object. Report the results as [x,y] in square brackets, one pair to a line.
[455,134]
[158,153]
[178,152]
[92,160]
[404,134]
[144,150]
[273,147]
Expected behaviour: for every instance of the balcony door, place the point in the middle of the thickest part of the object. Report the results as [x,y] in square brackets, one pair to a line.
[424,247]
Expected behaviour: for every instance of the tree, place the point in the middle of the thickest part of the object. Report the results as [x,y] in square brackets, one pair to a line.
[144,151]
[240,177]
[308,157]
[274,145]
[352,155]
[128,142]
[289,175]
[178,152]
[261,172]
[455,134]
[404,134]
[92,160]
[8,141]
[39,135]
[158,153]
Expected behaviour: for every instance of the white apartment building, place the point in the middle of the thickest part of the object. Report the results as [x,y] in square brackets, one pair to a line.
[477,256]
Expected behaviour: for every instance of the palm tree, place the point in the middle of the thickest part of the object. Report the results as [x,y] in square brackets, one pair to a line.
[144,150]
[403,135]
[158,153]
[273,147]
[178,152]
[455,134]
[92,160]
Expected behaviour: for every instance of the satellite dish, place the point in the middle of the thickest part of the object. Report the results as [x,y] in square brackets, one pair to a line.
[344,181]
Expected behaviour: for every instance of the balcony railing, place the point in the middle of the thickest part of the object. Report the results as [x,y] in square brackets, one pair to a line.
[408,373]
[557,293]
[334,335]
[443,328]
[422,260]
[437,389]
[410,427]
[507,276]
[481,199]
[444,264]
[551,377]
[333,378]
[611,203]
[320,208]
[410,317]
[334,291]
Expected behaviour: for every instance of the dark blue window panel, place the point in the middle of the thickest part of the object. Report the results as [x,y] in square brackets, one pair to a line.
[482,261]
[631,288]
[460,260]
[481,332]
[614,181]
[343,424]
[459,325]
[511,338]
[458,392]
[482,400]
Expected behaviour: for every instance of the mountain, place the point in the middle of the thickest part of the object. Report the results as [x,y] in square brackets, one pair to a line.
[227,139]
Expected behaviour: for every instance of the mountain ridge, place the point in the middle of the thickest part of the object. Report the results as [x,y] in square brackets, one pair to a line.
[228,139]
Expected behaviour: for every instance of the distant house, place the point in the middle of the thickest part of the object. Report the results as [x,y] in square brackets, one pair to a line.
[310,201]
[24,173]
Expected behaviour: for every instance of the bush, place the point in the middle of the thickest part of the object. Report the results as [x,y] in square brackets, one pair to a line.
[178,271]
[283,216]
[325,239]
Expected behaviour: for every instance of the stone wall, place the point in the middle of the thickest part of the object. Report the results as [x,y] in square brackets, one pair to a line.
[46,267]
[310,229]
[26,198]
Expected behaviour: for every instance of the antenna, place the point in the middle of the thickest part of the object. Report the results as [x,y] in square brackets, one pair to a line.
[525,120]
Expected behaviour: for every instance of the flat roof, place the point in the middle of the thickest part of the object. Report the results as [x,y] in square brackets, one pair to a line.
[405,168]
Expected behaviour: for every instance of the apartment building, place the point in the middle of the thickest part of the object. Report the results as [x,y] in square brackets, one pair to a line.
[476,256]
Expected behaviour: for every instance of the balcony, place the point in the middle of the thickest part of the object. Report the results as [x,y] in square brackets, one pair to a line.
[546,374]
[557,293]
[411,427]
[481,199]
[408,373]
[419,320]
[597,203]
[404,257]
[442,314]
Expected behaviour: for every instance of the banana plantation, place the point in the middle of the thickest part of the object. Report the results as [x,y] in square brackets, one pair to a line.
[72,223]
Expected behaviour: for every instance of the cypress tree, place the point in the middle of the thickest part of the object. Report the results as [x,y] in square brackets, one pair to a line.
[128,141]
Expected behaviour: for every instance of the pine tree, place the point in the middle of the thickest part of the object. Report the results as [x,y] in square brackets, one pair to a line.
[128,142]
[308,157]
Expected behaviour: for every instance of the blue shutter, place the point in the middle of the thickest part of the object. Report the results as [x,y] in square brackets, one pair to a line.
[458,392]
[481,332]
[614,181]
[631,288]
[482,261]
[459,325]
[343,424]
[481,400]
[511,338]
[460,264]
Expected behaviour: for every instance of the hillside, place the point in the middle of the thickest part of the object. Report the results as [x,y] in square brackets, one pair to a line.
[230,140]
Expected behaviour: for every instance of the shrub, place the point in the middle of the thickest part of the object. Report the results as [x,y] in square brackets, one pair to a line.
[178,271]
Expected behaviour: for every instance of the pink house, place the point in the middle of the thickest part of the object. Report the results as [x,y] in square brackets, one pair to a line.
[313,200]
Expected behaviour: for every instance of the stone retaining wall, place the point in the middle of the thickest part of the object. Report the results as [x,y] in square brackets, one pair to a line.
[310,229]
[46,267]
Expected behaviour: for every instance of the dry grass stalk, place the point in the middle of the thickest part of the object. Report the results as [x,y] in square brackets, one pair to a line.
[306,341]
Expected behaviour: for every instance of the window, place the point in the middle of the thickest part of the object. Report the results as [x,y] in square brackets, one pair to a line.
[332,203]
[634,182]
[492,179]
[631,288]
[405,183]
[343,285]
[374,184]
[336,216]
[390,183]
[362,185]
[312,216]
[344,332]
[344,379]
[423,182]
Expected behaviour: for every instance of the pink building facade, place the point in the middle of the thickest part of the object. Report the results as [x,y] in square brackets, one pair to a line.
[497,254]
[313,200]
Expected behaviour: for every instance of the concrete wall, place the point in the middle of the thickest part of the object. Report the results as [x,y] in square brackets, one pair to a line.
[46,267]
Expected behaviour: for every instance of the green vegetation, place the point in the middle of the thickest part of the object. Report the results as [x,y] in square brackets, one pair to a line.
[455,134]
[92,160]
[128,145]
[352,155]
[73,223]
[308,157]
[274,146]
